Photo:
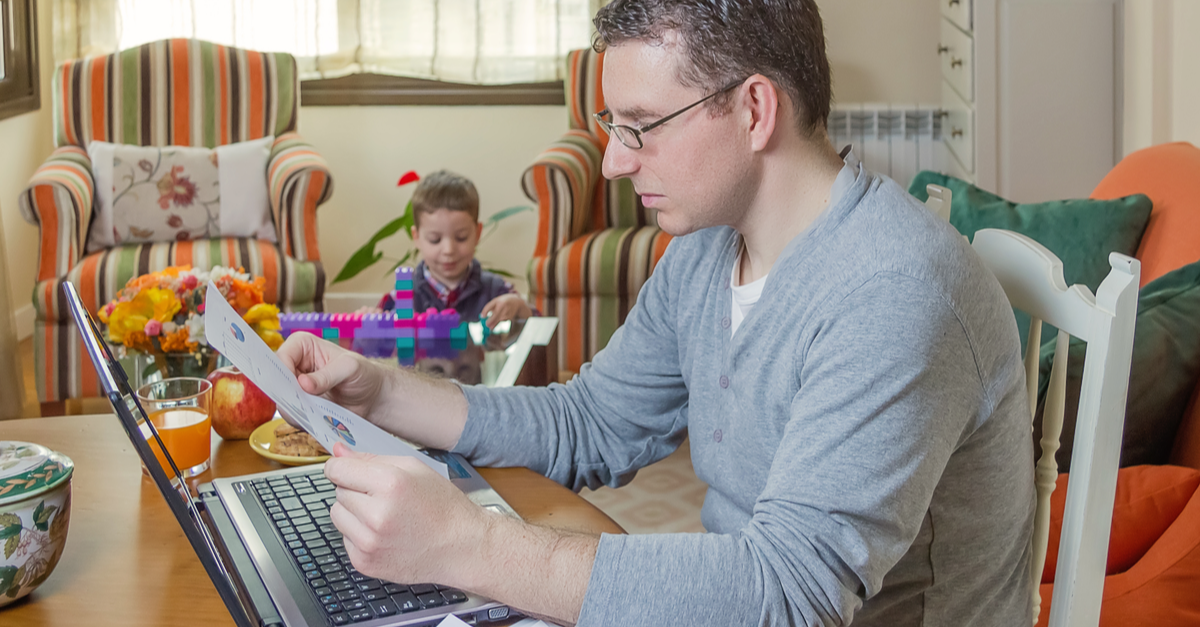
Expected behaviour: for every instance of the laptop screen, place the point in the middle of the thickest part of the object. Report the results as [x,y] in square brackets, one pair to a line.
[134,420]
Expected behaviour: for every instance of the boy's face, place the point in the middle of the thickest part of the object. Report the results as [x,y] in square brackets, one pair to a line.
[447,241]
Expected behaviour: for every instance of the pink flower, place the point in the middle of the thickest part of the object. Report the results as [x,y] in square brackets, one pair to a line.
[176,189]
[108,309]
[153,327]
[190,282]
[200,308]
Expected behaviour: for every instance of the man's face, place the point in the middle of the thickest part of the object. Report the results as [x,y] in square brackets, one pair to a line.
[696,170]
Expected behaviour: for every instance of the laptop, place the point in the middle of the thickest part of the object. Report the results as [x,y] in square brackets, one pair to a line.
[266,540]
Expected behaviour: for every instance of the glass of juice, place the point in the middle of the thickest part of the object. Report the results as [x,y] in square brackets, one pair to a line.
[178,409]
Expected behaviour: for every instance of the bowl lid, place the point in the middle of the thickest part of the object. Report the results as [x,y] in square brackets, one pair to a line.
[27,469]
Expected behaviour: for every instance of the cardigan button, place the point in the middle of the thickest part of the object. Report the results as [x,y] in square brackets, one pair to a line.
[724,381]
[717,436]
[725,322]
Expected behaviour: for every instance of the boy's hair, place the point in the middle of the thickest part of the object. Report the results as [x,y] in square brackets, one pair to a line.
[727,40]
[445,190]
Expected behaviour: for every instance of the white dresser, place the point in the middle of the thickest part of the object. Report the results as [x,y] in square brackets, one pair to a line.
[1031,93]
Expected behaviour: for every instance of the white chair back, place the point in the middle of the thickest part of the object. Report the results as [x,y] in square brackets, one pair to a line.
[1032,278]
[939,200]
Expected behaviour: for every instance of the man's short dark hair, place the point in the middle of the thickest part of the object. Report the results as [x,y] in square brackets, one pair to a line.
[445,190]
[725,40]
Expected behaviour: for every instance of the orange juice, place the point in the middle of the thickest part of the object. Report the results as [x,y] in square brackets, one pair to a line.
[186,431]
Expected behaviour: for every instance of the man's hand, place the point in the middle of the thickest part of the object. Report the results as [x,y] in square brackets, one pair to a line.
[505,307]
[403,522]
[326,369]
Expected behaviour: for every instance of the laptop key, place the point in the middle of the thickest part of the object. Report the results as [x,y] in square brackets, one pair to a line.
[279,516]
[312,498]
[454,596]
[369,584]
[337,543]
[331,568]
[354,604]
[305,528]
[361,615]
[319,506]
[295,544]
[286,529]
[340,552]
[299,552]
[318,552]
[357,577]
[333,608]
[342,585]
[383,607]
[291,503]
[327,559]
[323,592]
[340,619]
[307,566]
[406,602]
[315,543]
[336,577]
[274,510]
[374,595]
[318,582]
[327,528]
[288,537]
[422,588]
[302,491]
[394,588]
[433,599]
[313,575]
[346,595]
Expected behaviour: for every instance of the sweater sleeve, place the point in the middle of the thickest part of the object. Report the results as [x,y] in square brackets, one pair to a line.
[625,410]
[888,389]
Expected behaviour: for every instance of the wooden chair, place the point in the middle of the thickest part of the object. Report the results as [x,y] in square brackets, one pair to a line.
[1032,277]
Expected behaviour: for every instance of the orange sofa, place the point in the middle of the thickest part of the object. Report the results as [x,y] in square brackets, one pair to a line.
[1153,572]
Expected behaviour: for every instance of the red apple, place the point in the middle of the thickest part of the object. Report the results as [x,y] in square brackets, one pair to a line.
[237,406]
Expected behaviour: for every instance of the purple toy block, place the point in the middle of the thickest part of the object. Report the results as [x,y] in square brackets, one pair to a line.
[425,333]
[403,303]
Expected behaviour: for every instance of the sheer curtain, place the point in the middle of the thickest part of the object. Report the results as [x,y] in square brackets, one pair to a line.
[463,41]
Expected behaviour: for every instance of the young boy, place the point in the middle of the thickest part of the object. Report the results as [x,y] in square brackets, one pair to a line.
[446,231]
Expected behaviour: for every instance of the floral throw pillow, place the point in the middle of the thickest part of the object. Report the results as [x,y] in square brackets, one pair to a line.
[179,193]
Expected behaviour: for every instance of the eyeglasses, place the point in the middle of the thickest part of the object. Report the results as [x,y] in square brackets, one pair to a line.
[632,137]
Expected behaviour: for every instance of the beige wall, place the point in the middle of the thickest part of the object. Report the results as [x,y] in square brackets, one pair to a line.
[883,50]
[368,148]
[1162,72]
[25,141]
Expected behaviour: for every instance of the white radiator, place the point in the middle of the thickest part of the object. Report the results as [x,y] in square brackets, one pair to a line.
[891,139]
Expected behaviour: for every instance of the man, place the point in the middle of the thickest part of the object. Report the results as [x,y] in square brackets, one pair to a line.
[847,369]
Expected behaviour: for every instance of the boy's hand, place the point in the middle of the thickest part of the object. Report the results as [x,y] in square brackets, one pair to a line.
[506,307]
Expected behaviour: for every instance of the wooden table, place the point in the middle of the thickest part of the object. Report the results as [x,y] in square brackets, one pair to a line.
[127,562]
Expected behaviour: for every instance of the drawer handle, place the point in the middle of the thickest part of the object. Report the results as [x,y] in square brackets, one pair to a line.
[954,2]
[957,132]
[943,49]
[955,62]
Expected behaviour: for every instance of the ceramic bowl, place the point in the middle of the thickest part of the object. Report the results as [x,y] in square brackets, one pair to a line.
[35,508]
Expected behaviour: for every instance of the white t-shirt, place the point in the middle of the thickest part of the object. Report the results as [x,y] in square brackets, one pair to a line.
[746,296]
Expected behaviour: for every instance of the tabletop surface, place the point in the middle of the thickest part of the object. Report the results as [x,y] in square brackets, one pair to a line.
[127,561]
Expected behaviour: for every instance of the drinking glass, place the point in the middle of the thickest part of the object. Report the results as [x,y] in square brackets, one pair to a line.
[178,409]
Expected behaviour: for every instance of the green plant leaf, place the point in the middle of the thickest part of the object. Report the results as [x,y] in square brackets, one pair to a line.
[41,517]
[10,526]
[503,273]
[504,213]
[10,546]
[15,586]
[412,254]
[8,574]
[366,256]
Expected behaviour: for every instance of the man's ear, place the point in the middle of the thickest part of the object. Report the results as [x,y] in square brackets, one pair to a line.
[416,232]
[478,230]
[762,104]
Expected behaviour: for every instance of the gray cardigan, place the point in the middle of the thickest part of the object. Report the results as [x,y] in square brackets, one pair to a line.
[864,436]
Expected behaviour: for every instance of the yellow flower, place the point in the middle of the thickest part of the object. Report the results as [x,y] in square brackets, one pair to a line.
[264,319]
[132,316]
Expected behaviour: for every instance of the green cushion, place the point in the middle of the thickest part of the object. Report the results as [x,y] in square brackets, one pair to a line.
[1081,232]
[1165,367]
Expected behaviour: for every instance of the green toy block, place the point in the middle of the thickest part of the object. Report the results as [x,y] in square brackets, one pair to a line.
[408,343]
[459,332]
[404,286]
[404,314]
[329,334]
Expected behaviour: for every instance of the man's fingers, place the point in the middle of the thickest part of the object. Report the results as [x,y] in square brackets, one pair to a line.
[324,379]
[359,472]
[293,351]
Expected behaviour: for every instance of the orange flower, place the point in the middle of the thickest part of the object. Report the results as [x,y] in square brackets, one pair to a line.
[177,342]
[149,304]
[264,319]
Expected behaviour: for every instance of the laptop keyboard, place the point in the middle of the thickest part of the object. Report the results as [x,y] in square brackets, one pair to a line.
[299,505]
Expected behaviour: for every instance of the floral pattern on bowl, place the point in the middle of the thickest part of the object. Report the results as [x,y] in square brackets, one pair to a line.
[35,510]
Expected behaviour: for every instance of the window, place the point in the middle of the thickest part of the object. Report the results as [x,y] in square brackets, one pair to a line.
[19,88]
[364,51]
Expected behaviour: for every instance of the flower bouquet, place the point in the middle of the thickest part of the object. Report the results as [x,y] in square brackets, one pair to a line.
[161,314]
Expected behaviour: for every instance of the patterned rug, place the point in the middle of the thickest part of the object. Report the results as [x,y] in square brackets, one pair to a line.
[664,497]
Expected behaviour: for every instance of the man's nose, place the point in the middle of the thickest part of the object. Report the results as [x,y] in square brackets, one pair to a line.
[619,161]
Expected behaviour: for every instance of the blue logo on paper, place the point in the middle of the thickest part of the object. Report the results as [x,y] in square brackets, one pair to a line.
[342,430]
[237,333]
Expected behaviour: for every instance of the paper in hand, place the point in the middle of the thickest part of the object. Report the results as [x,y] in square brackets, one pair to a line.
[326,421]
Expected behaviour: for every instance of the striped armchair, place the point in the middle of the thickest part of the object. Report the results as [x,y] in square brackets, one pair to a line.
[596,243]
[173,92]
